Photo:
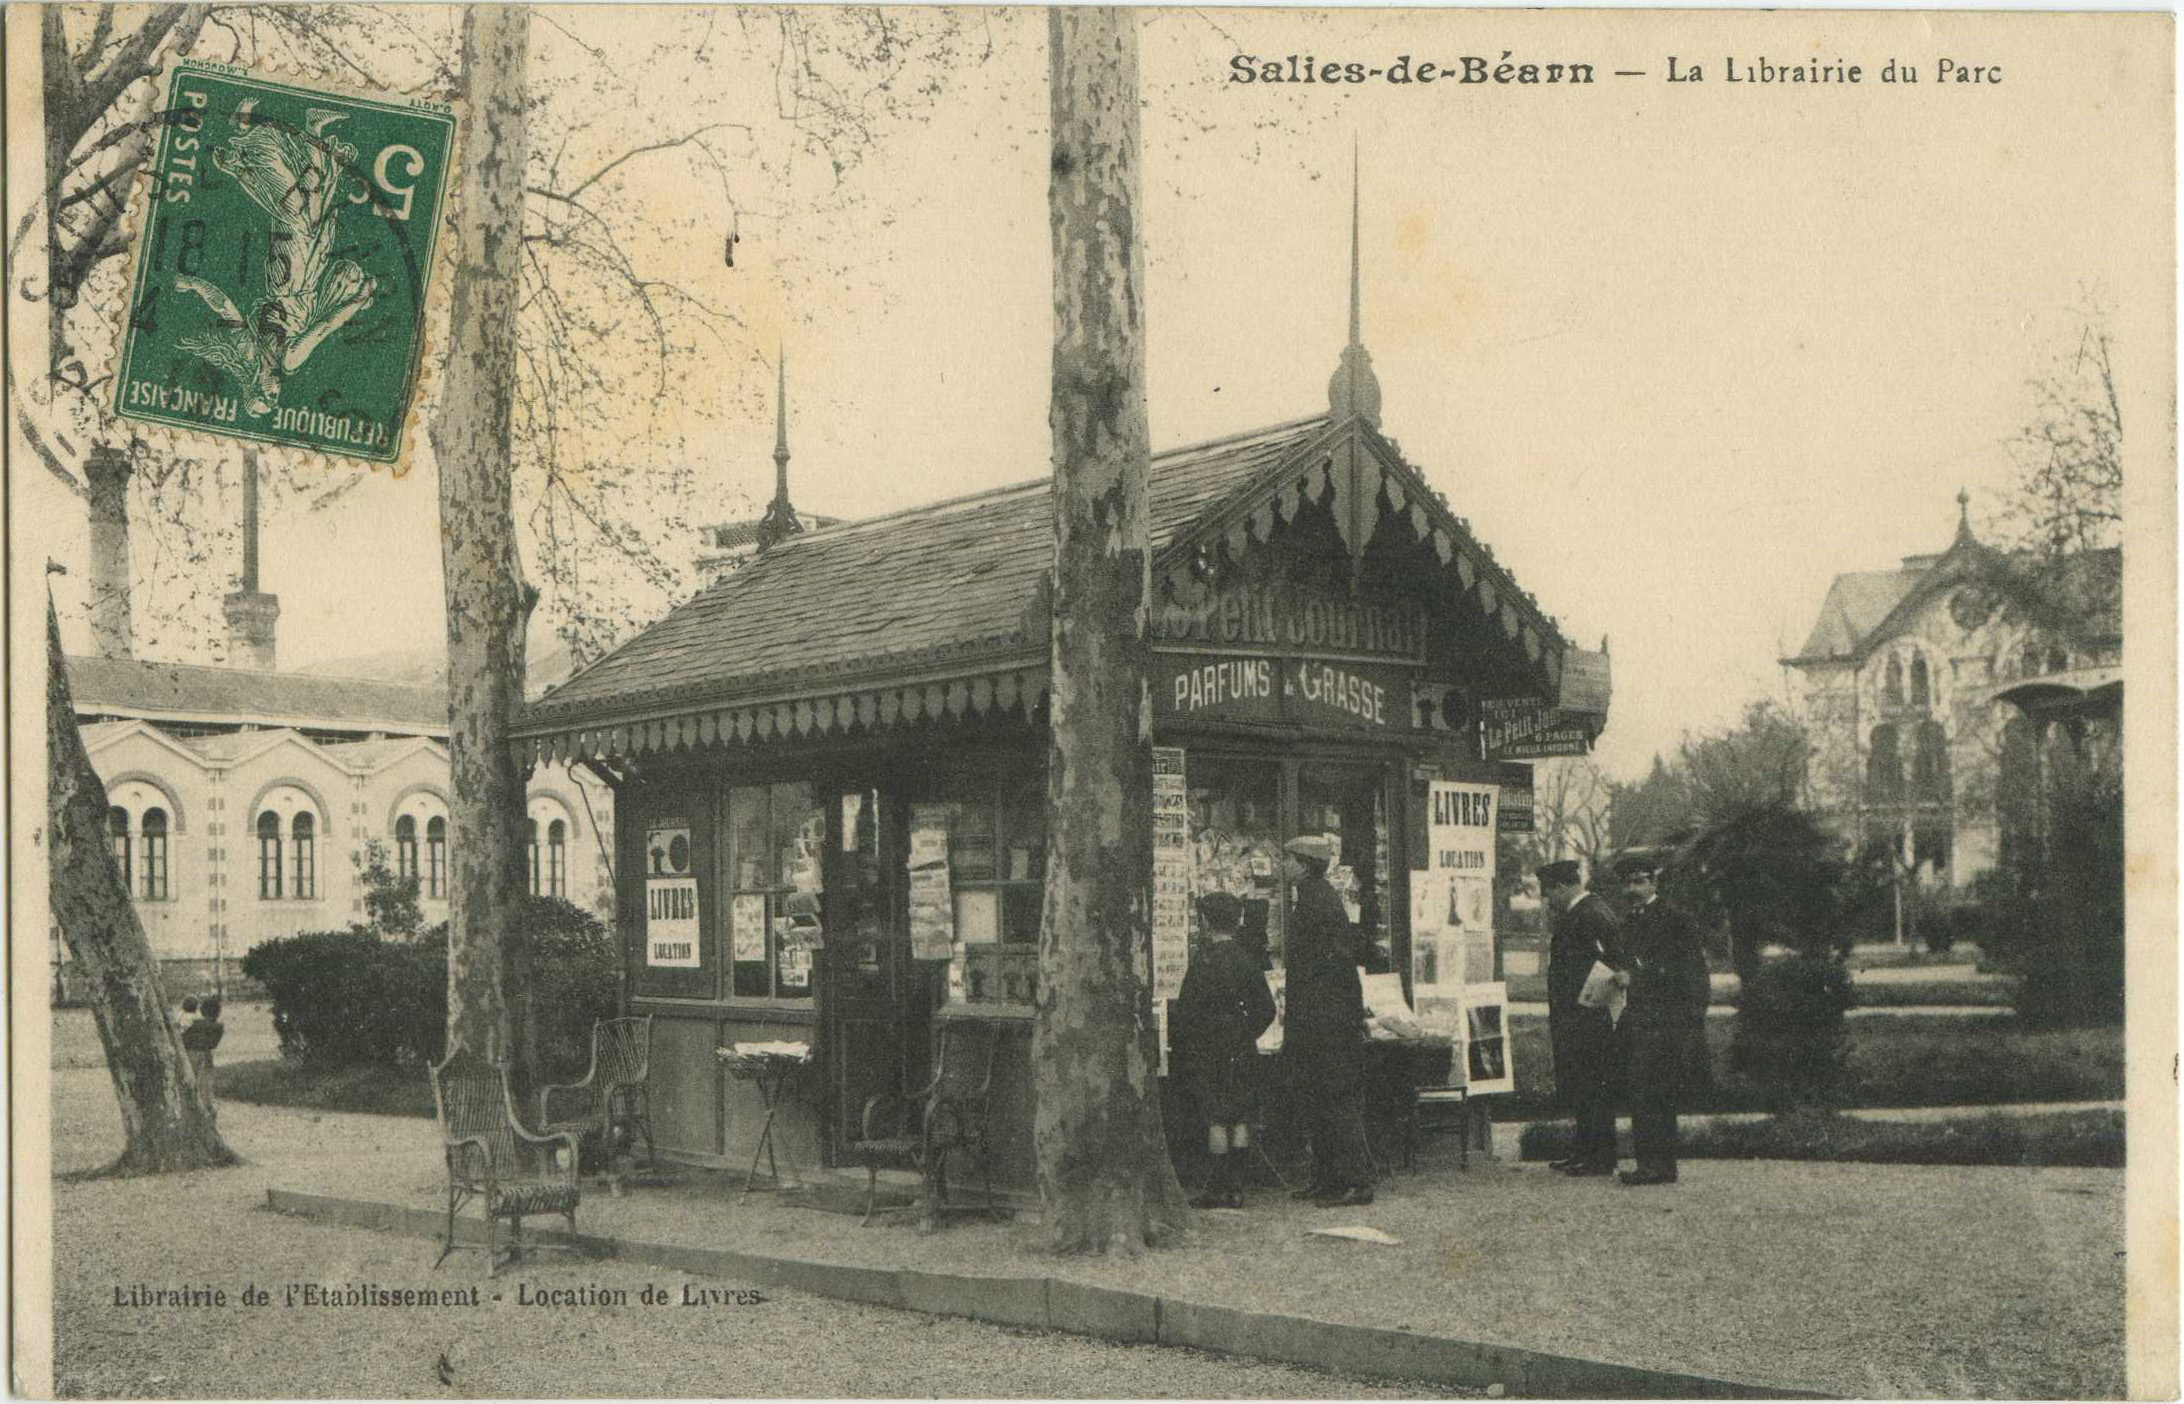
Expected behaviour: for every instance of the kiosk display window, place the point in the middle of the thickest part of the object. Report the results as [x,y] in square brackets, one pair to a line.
[1236,828]
[776,835]
[997,880]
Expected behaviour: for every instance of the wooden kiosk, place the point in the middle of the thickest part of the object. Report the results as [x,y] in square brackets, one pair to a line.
[829,766]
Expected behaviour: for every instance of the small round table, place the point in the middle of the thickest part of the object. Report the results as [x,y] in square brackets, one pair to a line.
[772,1072]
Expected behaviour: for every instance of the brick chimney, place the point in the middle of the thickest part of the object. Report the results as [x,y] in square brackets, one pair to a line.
[108,469]
[251,613]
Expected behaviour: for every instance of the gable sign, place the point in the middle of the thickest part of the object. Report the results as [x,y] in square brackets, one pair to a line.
[1290,619]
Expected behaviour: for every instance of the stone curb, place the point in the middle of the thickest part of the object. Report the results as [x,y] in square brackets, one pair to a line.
[1054,1304]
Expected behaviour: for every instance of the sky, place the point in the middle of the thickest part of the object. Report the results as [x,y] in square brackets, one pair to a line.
[1680,352]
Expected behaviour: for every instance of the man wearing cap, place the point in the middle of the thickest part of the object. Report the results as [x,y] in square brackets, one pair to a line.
[1667,1019]
[1584,932]
[1323,1027]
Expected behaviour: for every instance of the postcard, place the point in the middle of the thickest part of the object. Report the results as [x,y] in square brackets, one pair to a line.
[1662,489]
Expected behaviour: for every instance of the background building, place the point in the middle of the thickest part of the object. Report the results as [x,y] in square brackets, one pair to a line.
[1914,683]
[242,801]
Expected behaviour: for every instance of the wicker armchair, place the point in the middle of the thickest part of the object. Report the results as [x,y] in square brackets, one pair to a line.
[945,1116]
[491,1157]
[611,1103]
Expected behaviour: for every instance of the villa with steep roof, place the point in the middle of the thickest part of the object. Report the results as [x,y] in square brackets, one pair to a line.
[1926,685]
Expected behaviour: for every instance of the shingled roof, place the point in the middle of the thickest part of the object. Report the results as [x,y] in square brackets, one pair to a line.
[1856,603]
[2082,595]
[950,580]
[186,692]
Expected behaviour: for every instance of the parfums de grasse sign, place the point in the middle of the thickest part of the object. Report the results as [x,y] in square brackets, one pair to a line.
[283,263]
[1262,654]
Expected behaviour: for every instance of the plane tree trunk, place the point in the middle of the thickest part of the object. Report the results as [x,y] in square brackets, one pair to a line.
[165,1125]
[487,603]
[1103,1171]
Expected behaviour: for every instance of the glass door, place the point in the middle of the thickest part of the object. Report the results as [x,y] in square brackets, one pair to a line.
[874,1011]
[1348,804]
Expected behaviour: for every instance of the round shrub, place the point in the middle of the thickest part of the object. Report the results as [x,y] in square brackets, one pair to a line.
[1789,1036]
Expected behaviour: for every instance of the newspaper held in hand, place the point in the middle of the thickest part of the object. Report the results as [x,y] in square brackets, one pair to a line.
[1605,988]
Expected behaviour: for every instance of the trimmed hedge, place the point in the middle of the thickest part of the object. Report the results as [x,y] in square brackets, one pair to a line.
[356,998]
[2086,1139]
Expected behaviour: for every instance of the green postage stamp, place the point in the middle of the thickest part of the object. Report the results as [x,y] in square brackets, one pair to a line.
[284,262]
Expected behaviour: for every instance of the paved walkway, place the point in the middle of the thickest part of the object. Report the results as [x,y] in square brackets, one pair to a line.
[1860,1280]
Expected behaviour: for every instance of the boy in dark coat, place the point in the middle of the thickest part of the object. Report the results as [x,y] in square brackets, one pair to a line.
[1223,1008]
[199,1038]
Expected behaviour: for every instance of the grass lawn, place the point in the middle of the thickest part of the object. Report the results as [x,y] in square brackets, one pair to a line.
[1989,994]
[278,1082]
[1897,1060]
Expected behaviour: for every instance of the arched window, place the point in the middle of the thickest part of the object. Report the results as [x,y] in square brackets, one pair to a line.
[269,855]
[117,838]
[2032,660]
[154,862]
[1921,689]
[557,859]
[534,858]
[436,858]
[405,847]
[1930,764]
[1884,766]
[1892,685]
[303,844]
[2058,661]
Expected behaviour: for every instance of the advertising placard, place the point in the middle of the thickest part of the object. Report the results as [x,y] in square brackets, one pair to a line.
[671,897]
[1452,898]
[671,922]
[1171,872]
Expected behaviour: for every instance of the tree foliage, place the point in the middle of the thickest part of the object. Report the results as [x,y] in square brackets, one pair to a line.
[1771,873]
[618,320]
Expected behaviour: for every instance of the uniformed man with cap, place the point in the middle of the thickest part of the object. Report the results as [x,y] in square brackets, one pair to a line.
[1668,996]
[1323,1027]
[1584,933]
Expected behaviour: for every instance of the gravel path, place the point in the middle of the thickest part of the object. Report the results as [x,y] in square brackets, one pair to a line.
[212,1229]
[1860,1280]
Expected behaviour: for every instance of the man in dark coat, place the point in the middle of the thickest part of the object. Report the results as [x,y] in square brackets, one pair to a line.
[1222,1009]
[1586,1051]
[1323,1028]
[1669,991]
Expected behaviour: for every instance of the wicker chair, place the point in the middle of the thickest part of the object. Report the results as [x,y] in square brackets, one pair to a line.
[490,1155]
[949,1116]
[611,1102]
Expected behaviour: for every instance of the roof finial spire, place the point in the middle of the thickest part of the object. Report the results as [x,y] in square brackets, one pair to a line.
[1354,389]
[1964,514]
[780,519]
[1356,338]
[781,427]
